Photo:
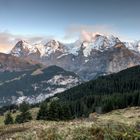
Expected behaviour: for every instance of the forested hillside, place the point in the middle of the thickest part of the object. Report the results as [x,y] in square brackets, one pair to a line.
[104,94]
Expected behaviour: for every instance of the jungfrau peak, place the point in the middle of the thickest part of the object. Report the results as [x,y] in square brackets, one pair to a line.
[100,43]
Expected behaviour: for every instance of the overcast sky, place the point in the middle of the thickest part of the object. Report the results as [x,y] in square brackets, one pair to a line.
[66,19]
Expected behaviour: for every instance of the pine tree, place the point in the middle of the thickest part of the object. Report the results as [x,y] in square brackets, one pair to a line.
[54,111]
[25,115]
[43,112]
[65,114]
[8,119]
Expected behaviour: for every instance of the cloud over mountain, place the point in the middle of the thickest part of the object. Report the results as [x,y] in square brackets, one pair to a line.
[8,40]
[85,32]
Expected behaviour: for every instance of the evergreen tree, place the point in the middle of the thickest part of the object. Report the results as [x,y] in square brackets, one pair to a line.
[43,112]
[8,119]
[25,115]
[55,111]
[65,114]
[24,107]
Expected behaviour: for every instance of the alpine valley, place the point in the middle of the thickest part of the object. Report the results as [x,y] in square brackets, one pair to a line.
[33,72]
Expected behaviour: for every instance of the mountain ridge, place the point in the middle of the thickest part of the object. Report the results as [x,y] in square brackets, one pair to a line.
[89,59]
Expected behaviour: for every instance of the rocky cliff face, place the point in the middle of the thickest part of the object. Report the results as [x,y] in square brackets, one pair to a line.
[11,63]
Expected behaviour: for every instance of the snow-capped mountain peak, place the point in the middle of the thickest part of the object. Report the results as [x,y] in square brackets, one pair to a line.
[134,45]
[100,43]
[22,44]
[23,48]
[53,46]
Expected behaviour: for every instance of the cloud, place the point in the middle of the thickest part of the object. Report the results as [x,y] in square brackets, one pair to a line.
[8,40]
[86,32]
[88,36]
[5,41]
